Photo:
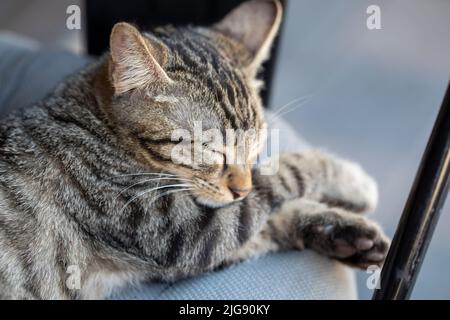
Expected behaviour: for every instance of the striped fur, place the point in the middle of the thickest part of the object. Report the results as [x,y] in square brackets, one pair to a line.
[73,180]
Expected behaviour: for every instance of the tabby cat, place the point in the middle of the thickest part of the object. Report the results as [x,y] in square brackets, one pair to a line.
[87,180]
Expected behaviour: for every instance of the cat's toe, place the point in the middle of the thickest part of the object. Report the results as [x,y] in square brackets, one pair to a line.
[363,243]
[343,249]
[355,241]
[366,255]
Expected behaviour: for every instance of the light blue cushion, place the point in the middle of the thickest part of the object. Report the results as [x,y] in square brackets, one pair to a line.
[283,275]
[27,74]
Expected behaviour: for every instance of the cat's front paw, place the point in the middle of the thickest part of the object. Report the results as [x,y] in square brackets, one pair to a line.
[353,240]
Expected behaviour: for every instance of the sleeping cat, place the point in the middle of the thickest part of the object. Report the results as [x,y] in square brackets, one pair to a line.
[87,180]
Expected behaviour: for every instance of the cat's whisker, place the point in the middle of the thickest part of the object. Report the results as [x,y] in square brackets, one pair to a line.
[151,190]
[167,193]
[303,103]
[144,174]
[157,185]
[296,103]
[296,100]
[150,180]
[278,115]
[290,103]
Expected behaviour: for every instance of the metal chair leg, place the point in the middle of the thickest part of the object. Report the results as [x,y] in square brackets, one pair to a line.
[420,214]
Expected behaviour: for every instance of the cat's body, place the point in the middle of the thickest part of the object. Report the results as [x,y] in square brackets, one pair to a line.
[73,182]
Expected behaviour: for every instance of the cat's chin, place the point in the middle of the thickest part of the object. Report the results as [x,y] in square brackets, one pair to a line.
[211,203]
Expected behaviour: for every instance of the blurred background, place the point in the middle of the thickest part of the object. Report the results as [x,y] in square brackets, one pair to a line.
[369,95]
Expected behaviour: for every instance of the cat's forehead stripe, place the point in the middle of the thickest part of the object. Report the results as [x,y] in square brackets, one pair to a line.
[193,52]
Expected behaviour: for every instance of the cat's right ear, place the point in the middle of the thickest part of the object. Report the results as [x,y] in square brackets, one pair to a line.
[136,61]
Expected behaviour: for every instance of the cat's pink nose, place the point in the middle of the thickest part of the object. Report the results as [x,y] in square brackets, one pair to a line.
[239,193]
[239,181]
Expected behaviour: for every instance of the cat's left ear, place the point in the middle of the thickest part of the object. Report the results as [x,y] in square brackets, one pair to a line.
[254,24]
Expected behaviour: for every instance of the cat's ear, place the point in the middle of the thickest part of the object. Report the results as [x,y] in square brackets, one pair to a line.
[136,61]
[254,24]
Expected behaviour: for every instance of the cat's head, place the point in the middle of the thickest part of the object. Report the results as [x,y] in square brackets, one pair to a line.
[173,81]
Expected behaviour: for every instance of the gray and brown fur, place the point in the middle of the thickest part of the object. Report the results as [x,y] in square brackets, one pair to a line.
[70,165]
